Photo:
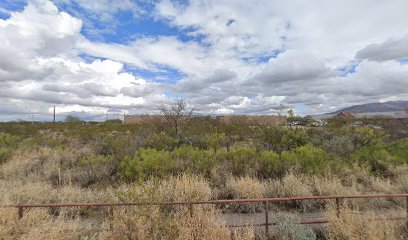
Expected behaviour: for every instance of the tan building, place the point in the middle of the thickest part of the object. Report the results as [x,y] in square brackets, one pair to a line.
[263,120]
[139,119]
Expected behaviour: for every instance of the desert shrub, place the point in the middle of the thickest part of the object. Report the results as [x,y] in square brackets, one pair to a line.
[398,150]
[243,188]
[363,137]
[280,139]
[287,228]
[8,143]
[146,163]
[161,141]
[371,151]
[5,154]
[270,165]
[93,169]
[151,162]
[44,164]
[48,139]
[333,140]
[307,159]
[193,160]
[115,145]
[30,164]
[216,141]
[375,158]
[238,159]
[354,225]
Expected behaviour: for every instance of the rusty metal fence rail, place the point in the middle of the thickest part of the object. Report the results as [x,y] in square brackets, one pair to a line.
[338,199]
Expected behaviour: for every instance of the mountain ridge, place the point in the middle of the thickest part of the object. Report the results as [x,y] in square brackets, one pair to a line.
[390,106]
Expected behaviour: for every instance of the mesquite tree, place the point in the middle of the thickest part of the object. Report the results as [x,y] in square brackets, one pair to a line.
[176,114]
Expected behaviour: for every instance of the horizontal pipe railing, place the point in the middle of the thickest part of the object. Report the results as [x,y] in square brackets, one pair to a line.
[250,200]
[265,201]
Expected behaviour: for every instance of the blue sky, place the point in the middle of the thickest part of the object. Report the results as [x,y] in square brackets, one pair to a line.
[226,57]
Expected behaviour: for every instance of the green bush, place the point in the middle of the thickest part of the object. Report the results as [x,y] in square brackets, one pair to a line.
[307,159]
[94,169]
[5,154]
[216,141]
[376,159]
[8,143]
[399,150]
[270,165]
[193,160]
[146,163]
[280,139]
[240,161]
[161,141]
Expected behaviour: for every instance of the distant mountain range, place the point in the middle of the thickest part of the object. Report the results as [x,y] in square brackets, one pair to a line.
[393,106]
[393,109]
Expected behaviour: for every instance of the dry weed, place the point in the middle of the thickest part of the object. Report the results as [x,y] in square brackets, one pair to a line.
[38,224]
[325,186]
[291,185]
[243,188]
[354,225]
[185,188]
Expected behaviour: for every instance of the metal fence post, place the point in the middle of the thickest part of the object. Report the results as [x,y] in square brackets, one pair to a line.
[190,208]
[337,207]
[266,218]
[111,216]
[407,209]
[20,212]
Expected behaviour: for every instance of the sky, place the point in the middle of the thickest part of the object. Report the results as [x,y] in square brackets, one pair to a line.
[105,58]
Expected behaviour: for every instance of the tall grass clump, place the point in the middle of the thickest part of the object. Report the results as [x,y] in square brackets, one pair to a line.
[39,224]
[168,222]
[244,188]
[185,187]
[291,185]
[355,225]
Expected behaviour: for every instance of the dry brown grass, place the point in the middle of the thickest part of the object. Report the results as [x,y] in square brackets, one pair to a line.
[325,186]
[39,224]
[185,188]
[30,177]
[40,192]
[244,187]
[400,178]
[354,225]
[164,222]
[291,185]
[153,223]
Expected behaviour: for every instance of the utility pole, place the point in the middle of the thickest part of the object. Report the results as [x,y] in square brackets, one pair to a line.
[32,115]
[280,110]
[54,114]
